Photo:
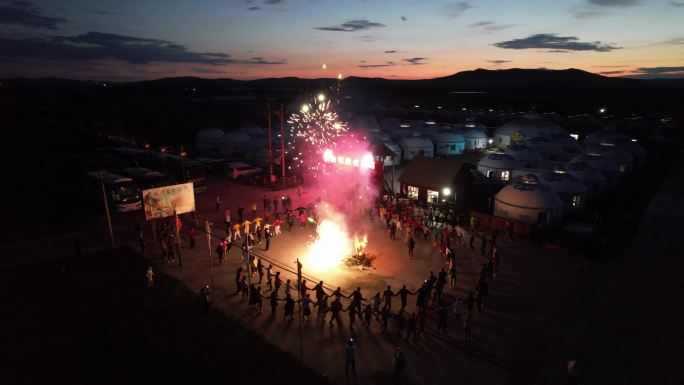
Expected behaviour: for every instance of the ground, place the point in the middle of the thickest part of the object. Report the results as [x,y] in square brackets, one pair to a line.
[532,325]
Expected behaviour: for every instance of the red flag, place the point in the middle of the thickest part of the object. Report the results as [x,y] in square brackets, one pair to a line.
[178,223]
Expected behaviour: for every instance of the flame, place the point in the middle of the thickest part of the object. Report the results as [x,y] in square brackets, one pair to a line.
[331,246]
[360,245]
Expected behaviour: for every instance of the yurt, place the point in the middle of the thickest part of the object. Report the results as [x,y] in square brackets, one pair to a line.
[416,146]
[497,166]
[253,131]
[547,148]
[529,201]
[232,145]
[475,138]
[389,124]
[447,143]
[206,139]
[607,166]
[566,142]
[605,136]
[392,145]
[366,124]
[530,125]
[524,155]
[623,159]
[590,176]
[636,150]
[569,188]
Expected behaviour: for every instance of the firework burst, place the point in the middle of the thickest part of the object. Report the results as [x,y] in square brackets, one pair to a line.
[317,124]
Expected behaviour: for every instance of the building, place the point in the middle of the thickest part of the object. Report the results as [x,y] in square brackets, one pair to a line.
[590,176]
[413,146]
[475,138]
[438,179]
[497,166]
[530,125]
[529,201]
[569,188]
[447,143]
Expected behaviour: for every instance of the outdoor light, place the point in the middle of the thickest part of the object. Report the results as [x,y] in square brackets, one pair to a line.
[602,110]
[305,108]
[634,140]
[446,191]
[490,140]
[321,97]
[339,76]
[325,66]
[416,106]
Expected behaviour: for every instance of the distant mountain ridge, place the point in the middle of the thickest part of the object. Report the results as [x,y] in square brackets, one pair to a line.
[480,78]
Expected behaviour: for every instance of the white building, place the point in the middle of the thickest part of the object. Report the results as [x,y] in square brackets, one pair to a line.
[590,176]
[530,125]
[569,188]
[529,201]
[524,155]
[475,138]
[447,143]
[497,166]
[605,165]
[416,146]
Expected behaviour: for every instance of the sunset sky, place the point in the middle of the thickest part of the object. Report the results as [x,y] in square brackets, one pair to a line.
[402,39]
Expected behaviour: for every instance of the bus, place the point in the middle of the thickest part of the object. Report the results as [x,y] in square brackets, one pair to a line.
[146,178]
[122,193]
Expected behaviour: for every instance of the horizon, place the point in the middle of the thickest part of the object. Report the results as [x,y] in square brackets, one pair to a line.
[404,40]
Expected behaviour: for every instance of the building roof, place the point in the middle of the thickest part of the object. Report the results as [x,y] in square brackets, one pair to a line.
[530,194]
[436,173]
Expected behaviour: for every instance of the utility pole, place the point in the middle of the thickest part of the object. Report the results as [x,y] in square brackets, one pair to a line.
[282,141]
[178,245]
[299,291]
[207,226]
[106,207]
[270,144]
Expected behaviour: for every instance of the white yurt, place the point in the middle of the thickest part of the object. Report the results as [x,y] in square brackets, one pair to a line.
[590,176]
[392,145]
[447,143]
[366,124]
[530,125]
[566,142]
[524,155]
[416,146]
[232,145]
[569,188]
[623,159]
[547,148]
[206,139]
[529,201]
[497,166]
[605,136]
[475,138]
[607,166]
[253,131]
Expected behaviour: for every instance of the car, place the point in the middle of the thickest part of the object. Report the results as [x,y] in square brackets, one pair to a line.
[239,170]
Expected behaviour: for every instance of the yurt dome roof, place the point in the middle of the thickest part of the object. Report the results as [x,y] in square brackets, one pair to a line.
[446,137]
[235,137]
[635,149]
[544,144]
[498,161]
[529,127]
[601,162]
[416,142]
[390,123]
[252,129]
[529,194]
[474,133]
[611,151]
[564,183]
[522,153]
[209,133]
[584,171]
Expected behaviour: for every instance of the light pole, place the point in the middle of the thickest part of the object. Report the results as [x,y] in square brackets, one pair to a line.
[182,155]
[106,207]
[207,226]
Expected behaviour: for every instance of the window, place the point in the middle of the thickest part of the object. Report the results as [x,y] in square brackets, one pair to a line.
[500,139]
[490,173]
[452,147]
[432,196]
[622,167]
[576,200]
[505,175]
[421,152]
[413,192]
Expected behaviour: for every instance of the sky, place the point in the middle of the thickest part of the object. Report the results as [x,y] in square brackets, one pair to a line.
[396,39]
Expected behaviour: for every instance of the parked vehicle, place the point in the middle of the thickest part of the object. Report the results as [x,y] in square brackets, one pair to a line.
[239,170]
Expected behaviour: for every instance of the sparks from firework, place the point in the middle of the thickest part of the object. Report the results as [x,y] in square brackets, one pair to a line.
[317,123]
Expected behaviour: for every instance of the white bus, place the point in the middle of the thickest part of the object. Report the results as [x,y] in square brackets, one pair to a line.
[122,193]
[146,178]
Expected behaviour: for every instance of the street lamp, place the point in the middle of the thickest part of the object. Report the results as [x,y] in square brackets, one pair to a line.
[321,97]
[305,108]
[446,191]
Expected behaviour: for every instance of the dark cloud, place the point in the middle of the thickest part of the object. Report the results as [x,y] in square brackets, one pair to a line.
[273,1]
[27,14]
[352,26]
[102,46]
[415,60]
[386,64]
[367,38]
[403,18]
[498,61]
[100,12]
[676,4]
[490,26]
[455,10]
[611,72]
[391,51]
[558,51]
[555,42]
[614,3]
[660,70]
[253,8]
